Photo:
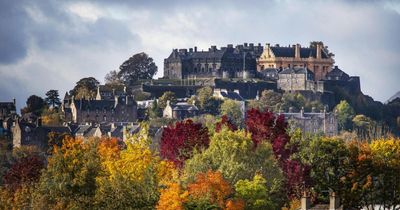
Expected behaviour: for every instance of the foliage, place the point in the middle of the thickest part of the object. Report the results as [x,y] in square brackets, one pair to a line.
[206,102]
[265,126]
[85,88]
[139,66]
[232,110]
[210,189]
[233,154]
[34,104]
[52,117]
[112,79]
[167,96]
[52,98]
[179,140]
[269,100]
[255,193]
[225,122]
[154,110]
[69,180]
[172,198]
[345,114]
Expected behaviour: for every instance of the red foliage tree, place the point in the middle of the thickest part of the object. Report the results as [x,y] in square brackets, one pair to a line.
[266,126]
[178,142]
[24,171]
[225,122]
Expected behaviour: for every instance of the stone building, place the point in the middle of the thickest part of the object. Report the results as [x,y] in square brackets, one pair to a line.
[313,122]
[180,110]
[7,109]
[226,62]
[34,134]
[316,58]
[298,79]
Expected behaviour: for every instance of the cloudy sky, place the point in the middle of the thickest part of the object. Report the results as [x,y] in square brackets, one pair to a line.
[52,44]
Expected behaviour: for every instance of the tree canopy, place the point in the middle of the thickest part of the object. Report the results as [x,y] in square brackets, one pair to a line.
[139,66]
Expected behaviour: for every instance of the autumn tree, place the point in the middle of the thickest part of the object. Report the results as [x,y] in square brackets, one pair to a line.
[345,114]
[173,197]
[225,122]
[70,176]
[234,155]
[265,126]
[167,96]
[139,66]
[85,88]
[209,190]
[232,109]
[179,140]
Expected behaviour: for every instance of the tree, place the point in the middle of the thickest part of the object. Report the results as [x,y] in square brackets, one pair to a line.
[85,88]
[269,100]
[362,125]
[255,193]
[70,176]
[232,109]
[172,198]
[139,66]
[52,98]
[345,114]
[34,104]
[265,126]
[179,140]
[113,79]
[234,155]
[167,96]
[225,122]
[209,190]
[154,110]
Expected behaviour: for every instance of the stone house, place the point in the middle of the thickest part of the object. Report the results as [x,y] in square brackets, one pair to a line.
[121,109]
[7,109]
[313,122]
[316,58]
[30,134]
[180,110]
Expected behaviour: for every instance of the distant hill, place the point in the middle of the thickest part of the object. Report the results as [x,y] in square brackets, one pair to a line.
[397,95]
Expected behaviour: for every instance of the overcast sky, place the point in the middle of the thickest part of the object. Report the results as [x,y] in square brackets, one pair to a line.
[52,44]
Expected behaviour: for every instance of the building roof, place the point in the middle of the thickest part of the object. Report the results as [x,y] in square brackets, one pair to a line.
[7,105]
[337,73]
[296,71]
[184,106]
[231,95]
[394,97]
[289,52]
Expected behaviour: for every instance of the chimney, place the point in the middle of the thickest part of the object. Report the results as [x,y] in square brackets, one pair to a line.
[14,101]
[39,122]
[245,44]
[334,201]
[305,201]
[195,49]
[190,50]
[297,51]
[319,49]
[302,112]
[267,45]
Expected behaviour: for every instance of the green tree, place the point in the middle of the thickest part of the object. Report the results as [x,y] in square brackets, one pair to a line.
[69,182]
[234,155]
[52,98]
[167,96]
[112,79]
[363,125]
[85,88]
[139,66]
[232,109]
[345,114]
[34,104]
[154,110]
[255,193]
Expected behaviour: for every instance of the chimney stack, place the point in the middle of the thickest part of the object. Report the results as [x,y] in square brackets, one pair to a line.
[14,101]
[305,201]
[297,51]
[195,49]
[319,49]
